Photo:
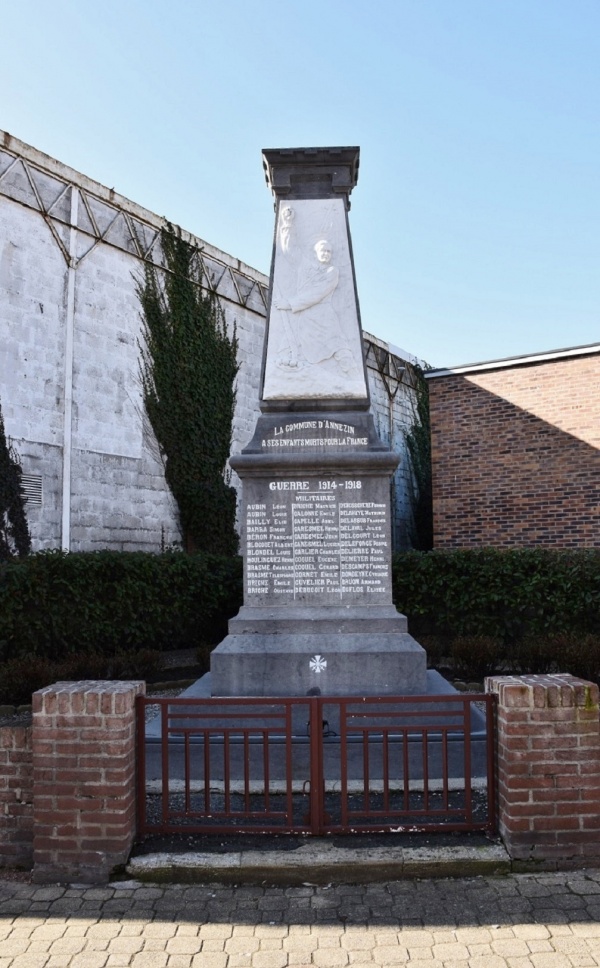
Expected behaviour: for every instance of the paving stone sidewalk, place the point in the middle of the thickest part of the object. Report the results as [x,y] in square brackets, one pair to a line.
[515,921]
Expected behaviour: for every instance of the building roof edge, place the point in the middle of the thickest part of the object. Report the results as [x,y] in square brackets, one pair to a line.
[510,361]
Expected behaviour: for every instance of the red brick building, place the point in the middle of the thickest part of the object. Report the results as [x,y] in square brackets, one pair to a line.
[516,452]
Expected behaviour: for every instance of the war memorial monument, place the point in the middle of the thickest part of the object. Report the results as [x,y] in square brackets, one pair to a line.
[318,690]
[318,617]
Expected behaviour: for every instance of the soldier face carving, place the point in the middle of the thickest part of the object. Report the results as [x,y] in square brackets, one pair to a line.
[323,251]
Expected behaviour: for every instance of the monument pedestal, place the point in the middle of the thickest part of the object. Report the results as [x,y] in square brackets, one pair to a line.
[318,617]
[325,662]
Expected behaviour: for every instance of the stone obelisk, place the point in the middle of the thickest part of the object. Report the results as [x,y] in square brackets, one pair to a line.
[318,617]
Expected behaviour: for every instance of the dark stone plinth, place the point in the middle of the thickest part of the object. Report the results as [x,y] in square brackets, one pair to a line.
[311,172]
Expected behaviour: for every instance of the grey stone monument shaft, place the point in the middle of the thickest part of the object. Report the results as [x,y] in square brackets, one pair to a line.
[318,617]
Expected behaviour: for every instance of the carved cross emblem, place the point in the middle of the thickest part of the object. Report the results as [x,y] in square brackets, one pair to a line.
[317,663]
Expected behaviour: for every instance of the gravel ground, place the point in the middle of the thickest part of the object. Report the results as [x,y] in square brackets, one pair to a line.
[16,719]
[153,711]
[224,843]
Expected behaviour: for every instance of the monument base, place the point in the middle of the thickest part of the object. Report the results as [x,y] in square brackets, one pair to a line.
[326,651]
[318,616]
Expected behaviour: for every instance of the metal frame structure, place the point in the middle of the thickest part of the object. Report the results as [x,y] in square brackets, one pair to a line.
[79,219]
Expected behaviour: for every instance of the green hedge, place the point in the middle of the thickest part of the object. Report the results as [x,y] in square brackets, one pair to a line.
[508,594]
[53,604]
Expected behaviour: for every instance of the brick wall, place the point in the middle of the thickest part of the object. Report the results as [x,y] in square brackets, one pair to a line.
[548,768]
[516,455]
[16,797]
[68,783]
[84,779]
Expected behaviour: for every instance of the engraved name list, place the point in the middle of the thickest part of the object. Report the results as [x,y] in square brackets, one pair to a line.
[317,537]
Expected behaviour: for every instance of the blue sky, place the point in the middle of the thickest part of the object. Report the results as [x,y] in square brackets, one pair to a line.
[476,218]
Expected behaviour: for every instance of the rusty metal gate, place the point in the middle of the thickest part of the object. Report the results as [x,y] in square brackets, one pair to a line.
[316,765]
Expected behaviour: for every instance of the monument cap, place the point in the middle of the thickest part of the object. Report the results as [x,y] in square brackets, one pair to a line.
[311,172]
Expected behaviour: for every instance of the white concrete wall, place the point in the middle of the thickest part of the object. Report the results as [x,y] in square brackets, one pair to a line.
[117,496]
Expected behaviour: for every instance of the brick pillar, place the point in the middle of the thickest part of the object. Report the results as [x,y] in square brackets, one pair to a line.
[16,797]
[548,768]
[84,779]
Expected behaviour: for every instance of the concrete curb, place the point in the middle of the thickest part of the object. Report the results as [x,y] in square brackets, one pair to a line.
[321,864]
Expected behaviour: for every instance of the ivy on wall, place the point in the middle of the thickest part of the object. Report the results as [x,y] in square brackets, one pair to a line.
[14,530]
[418,442]
[188,367]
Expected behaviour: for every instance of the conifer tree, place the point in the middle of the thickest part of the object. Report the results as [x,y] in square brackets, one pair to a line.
[188,368]
[14,530]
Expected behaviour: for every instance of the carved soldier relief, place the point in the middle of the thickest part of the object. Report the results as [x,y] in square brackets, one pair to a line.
[314,344]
